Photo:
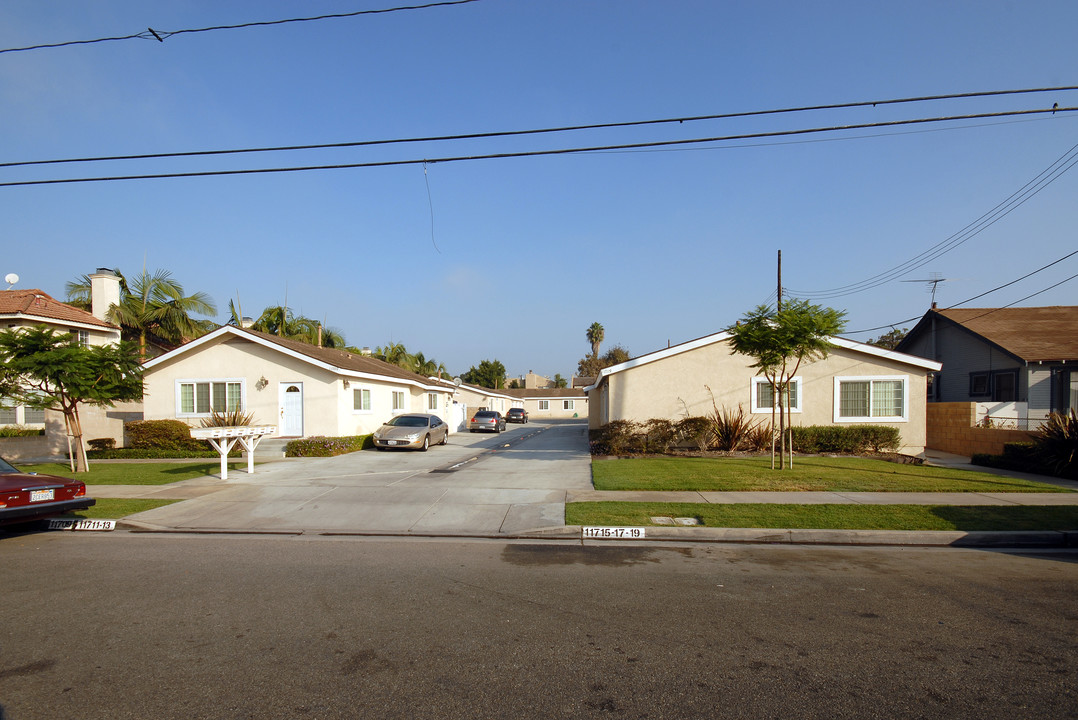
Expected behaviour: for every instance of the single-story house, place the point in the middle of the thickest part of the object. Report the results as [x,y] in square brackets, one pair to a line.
[855,384]
[1018,364]
[551,403]
[302,389]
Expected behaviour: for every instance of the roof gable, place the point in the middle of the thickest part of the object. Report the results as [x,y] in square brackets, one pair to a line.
[341,362]
[35,304]
[1031,334]
[725,335]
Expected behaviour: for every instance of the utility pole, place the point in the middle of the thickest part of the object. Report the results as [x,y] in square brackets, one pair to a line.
[779,305]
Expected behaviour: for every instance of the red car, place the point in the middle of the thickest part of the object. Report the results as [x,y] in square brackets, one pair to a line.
[29,496]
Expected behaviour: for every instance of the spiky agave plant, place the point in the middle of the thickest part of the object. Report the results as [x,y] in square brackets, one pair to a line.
[1057,443]
[230,418]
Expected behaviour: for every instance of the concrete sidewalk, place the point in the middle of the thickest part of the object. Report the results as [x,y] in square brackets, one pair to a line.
[325,496]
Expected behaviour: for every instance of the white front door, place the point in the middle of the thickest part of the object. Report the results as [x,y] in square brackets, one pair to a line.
[291,400]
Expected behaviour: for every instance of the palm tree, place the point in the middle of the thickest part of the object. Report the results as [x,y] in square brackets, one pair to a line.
[151,306]
[280,321]
[394,354]
[595,336]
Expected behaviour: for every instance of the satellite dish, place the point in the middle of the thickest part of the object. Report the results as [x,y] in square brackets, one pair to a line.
[11,279]
[457,381]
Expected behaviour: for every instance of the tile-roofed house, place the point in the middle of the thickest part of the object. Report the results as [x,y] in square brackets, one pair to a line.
[303,389]
[32,307]
[1016,363]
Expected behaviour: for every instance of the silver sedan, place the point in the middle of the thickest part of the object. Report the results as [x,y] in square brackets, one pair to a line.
[416,431]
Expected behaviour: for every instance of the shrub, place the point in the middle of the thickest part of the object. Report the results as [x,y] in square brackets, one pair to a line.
[157,454]
[758,438]
[161,435]
[321,446]
[730,431]
[696,430]
[102,443]
[659,435]
[1057,444]
[617,438]
[847,439]
[9,431]
[231,418]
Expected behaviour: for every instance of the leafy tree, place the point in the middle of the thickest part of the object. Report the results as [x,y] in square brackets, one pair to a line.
[151,306]
[780,341]
[56,371]
[489,374]
[514,384]
[889,340]
[590,366]
[559,381]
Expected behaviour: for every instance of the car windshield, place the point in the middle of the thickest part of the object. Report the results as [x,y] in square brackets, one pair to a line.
[485,414]
[5,466]
[408,421]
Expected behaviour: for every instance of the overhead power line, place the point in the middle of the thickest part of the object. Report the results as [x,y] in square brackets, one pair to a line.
[539,153]
[987,292]
[162,35]
[1045,178]
[552,130]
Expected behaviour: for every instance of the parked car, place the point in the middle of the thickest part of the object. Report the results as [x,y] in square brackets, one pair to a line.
[518,415]
[29,496]
[487,420]
[417,431]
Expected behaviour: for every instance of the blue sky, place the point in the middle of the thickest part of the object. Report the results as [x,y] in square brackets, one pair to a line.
[523,254]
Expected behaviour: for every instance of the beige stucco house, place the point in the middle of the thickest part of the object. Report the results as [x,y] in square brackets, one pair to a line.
[302,389]
[33,307]
[551,403]
[855,384]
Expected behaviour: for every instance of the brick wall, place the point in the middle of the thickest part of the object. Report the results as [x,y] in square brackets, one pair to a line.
[950,428]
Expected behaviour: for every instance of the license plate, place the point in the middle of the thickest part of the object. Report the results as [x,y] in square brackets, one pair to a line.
[42,495]
[391,442]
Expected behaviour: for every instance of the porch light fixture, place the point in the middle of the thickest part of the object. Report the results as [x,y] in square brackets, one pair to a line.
[346,383]
[261,383]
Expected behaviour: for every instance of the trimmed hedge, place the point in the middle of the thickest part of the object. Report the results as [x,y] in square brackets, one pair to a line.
[10,431]
[161,435]
[1020,457]
[156,454]
[625,437]
[321,446]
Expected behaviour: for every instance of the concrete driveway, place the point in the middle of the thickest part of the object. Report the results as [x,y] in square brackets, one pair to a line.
[478,484]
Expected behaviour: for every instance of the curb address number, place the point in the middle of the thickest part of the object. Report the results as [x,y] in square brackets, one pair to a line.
[613,533]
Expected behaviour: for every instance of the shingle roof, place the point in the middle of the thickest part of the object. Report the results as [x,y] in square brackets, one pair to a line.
[1031,334]
[345,360]
[34,303]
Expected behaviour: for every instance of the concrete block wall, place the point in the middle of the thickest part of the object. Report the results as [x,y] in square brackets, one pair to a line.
[950,427]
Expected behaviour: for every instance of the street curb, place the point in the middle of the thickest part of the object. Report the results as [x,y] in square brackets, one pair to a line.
[754,536]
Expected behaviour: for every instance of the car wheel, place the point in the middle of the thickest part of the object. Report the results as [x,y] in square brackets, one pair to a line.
[426,443]
[445,439]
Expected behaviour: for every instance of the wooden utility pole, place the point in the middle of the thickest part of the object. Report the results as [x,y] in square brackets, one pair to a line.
[779,306]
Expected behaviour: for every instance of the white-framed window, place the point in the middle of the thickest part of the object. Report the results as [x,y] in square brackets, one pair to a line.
[867,399]
[763,397]
[20,414]
[398,401]
[361,400]
[201,397]
[83,336]
[544,404]
[432,401]
[568,404]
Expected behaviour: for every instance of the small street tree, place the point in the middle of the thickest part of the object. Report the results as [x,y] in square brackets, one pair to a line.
[55,371]
[780,341]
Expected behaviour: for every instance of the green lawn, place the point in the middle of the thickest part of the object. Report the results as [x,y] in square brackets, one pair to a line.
[832,517]
[842,474]
[131,473]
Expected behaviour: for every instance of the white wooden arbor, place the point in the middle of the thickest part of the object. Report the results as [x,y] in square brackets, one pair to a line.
[224,439]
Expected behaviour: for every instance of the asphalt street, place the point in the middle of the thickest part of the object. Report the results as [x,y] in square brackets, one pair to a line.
[134,625]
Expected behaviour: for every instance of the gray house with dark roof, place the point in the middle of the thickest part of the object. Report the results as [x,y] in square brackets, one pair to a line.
[1018,364]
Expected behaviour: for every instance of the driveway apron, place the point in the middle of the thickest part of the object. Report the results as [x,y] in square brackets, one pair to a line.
[477,485]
